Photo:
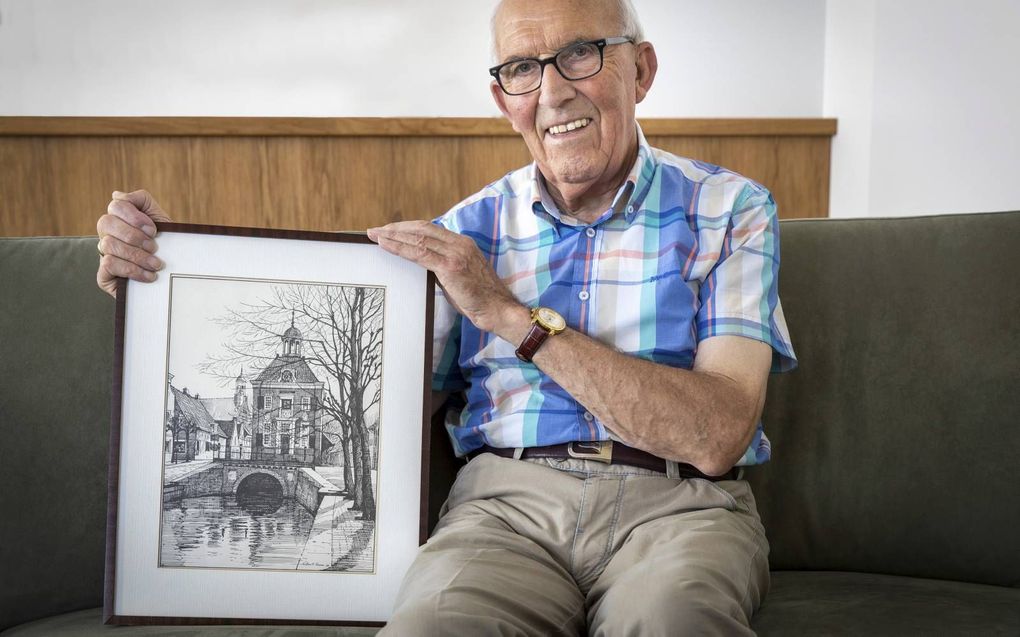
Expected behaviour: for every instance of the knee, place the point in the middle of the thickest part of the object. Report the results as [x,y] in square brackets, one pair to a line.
[685,608]
[427,618]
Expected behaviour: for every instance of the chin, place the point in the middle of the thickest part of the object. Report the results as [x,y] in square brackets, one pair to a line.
[574,171]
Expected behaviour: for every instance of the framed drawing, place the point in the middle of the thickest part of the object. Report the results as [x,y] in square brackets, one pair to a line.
[270,416]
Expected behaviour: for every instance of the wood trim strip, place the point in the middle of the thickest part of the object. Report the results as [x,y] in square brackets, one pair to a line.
[381,126]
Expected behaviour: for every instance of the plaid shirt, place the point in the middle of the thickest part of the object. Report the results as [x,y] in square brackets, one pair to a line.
[687,251]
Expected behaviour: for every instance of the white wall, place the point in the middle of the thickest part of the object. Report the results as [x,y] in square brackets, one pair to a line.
[740,58]
[927,93]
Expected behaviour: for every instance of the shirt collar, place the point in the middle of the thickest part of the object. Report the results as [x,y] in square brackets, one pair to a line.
[628,198]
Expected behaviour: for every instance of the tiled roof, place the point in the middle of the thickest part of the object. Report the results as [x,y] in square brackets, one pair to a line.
[296,364]
[220,408]
[193,409]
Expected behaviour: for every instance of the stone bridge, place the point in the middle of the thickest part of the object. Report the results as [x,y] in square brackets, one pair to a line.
[225,477]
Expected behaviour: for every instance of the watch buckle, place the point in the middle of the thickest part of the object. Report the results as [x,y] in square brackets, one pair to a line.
[597,450]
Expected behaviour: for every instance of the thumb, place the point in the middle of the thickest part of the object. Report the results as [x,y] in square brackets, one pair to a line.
[144,202]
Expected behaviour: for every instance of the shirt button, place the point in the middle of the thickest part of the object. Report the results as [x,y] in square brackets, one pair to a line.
[630,208]
[583,295]
[588,416]
[590,232]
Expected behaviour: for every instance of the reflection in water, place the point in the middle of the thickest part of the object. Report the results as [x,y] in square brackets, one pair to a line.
[217,531]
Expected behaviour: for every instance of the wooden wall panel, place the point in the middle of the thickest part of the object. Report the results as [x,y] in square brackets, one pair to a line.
[336,174]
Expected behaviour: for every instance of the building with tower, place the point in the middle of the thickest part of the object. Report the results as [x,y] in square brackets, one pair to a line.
[287,414]
[233,415]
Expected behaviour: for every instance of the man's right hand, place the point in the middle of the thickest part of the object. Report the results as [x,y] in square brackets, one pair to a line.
[126,243]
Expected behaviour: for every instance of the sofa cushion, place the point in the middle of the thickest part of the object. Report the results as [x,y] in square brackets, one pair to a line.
[800,603]
[86,623]
[895,442]
[834,603]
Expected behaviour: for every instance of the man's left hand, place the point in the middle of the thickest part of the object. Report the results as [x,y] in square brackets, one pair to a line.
[466,277]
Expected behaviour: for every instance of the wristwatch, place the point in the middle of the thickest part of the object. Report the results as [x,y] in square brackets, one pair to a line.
[544,323]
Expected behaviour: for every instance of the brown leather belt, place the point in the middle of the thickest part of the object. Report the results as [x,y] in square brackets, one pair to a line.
[609,452]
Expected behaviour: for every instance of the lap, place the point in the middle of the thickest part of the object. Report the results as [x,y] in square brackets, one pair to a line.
[530,550]
[705,570]
[477,576]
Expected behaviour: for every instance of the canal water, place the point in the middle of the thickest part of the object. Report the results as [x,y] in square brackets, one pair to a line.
[215,531]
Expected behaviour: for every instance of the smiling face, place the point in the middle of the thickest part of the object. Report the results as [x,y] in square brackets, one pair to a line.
[581,133]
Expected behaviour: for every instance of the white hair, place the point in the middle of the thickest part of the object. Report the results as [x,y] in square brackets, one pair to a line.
[630,26]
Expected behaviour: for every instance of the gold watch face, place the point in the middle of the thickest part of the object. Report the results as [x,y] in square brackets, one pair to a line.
[550,319]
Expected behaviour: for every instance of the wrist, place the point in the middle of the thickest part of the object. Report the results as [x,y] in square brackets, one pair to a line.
[514,323]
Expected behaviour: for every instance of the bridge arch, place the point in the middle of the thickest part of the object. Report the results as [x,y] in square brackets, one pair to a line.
[257,477]
[235,475]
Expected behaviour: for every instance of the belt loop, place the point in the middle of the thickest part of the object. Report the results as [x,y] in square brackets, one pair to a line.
[518,452]
[672,470]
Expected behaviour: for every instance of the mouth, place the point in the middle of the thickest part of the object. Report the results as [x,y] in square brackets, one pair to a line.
[567,127]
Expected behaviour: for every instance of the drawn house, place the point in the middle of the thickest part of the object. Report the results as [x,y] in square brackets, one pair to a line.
[196,435]
[287,422]
[233,416]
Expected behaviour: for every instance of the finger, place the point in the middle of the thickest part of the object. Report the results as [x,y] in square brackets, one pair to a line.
[114,226]
[112,246]
[426,228]
[427,236]
[132,216]
[416,253]
[144,202]
[106,283]
[111,267]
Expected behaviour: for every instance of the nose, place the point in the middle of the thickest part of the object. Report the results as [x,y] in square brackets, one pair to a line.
[555,88]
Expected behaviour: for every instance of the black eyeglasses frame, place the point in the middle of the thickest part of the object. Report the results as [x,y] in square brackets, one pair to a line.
[600,44]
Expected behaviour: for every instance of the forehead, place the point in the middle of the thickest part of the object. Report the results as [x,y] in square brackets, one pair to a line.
[529,28]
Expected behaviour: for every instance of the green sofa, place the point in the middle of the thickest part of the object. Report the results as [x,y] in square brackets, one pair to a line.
[891,502]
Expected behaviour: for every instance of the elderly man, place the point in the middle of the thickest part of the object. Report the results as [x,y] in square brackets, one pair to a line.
[611,313]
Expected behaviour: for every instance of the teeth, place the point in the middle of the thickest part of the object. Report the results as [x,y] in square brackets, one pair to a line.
[569,126]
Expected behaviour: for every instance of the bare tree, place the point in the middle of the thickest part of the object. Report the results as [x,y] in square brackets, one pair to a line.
[341,332]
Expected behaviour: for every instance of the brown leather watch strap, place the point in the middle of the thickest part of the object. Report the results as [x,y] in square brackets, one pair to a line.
[536,336]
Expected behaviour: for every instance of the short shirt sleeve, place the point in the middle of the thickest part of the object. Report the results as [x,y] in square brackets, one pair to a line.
[446,371]
[446,322]
[740,295]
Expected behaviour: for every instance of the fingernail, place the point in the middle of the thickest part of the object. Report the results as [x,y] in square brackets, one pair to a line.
[148,245]
[154,263]
[149,276]
[149,230]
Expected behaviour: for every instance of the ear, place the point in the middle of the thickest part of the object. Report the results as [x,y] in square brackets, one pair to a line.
[499,97]
[647,65]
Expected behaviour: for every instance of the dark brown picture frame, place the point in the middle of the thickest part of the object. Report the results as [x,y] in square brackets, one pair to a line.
[116,431]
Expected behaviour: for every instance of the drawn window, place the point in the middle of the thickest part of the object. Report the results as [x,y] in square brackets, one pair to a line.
[286,404]
[269,402]
[306,403]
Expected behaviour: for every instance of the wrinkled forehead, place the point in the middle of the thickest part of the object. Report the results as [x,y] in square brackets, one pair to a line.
[525,28]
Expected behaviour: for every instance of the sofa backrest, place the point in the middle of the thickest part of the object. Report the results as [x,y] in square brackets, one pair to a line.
[56,356]
[894,441]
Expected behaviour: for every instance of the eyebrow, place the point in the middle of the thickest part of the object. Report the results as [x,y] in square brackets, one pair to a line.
[518,58]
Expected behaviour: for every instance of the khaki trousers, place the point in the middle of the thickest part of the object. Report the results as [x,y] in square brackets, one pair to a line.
[574,547]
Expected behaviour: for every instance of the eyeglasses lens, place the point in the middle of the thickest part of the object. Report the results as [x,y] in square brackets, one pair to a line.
[575,62]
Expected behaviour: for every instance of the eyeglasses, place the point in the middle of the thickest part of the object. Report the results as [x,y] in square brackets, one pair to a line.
[574,62]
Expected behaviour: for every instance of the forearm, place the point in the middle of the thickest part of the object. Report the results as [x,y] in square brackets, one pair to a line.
[704,419]
[700,418]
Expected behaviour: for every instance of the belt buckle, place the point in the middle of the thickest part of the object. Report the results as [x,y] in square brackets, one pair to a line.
[599,450]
